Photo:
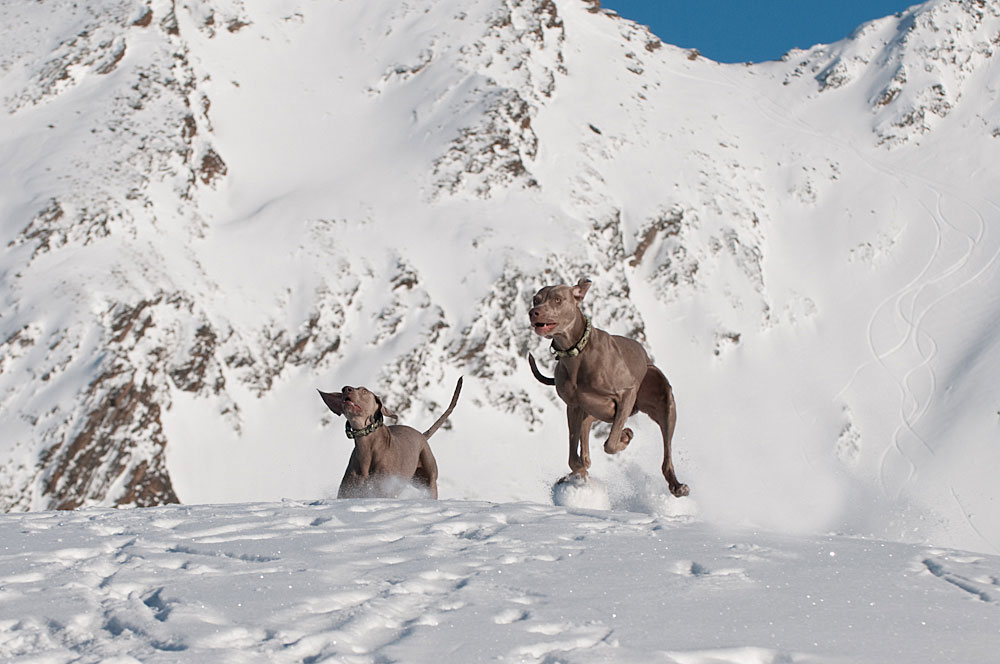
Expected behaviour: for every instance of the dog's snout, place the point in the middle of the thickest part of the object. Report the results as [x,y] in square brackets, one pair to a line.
[347,389]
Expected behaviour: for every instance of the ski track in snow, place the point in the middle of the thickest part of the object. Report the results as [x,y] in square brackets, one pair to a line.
[908,357]
[902,329]
[378,581]
[918,382]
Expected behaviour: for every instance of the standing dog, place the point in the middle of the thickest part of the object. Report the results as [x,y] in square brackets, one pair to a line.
[600,376]
[382,451]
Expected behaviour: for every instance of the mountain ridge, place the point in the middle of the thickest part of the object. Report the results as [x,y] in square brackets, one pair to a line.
[239,203]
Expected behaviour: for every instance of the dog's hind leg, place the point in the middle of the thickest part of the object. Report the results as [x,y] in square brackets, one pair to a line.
[656,399]
[426,473]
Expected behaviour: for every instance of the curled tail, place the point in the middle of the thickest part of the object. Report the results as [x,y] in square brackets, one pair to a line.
[539,376]
[451,407]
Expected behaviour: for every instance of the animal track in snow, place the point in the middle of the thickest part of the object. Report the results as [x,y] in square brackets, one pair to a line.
[533,583]
[512,615]
[966,574]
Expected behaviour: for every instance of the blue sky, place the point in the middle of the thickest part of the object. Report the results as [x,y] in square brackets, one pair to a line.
[753,30]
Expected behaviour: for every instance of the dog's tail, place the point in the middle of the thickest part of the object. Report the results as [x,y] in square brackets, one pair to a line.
[539,376]
[451,407]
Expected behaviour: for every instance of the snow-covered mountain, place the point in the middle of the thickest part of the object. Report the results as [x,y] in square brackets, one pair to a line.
[211,209]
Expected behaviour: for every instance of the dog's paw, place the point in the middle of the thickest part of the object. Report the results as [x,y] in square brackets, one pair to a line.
[581,492]
[576,477]
[680,490]
[623,440]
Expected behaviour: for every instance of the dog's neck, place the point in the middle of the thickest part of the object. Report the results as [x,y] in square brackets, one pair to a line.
[354,434]
[575,349]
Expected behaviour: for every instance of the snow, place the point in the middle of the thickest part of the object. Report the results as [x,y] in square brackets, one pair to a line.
[808,248]
[360,581]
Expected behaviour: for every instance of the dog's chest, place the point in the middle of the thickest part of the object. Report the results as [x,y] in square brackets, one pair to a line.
[580,383]
[390,455]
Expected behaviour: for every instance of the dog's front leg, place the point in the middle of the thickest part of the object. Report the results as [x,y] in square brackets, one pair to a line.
[354,484]
[579,439]
[620,436]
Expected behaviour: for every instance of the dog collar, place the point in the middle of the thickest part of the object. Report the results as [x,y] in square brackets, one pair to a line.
[575,350]
[361,433]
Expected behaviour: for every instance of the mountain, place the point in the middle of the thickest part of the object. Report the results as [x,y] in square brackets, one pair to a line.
[211,209]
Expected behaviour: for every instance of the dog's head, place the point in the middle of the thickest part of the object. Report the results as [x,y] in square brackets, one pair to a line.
[358,404]
[555,308]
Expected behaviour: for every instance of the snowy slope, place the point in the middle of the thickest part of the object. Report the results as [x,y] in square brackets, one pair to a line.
[382,581]
[209,210]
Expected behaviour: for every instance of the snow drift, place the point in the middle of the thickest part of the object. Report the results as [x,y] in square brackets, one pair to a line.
[364,581]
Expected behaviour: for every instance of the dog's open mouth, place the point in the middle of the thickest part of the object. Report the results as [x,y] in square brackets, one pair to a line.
[544,328]
[351,406]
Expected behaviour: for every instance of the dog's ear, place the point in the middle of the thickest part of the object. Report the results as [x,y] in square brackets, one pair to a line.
[581,288]
[333,400]
[385,411]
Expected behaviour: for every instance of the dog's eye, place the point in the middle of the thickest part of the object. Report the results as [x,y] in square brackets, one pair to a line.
[558,300]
